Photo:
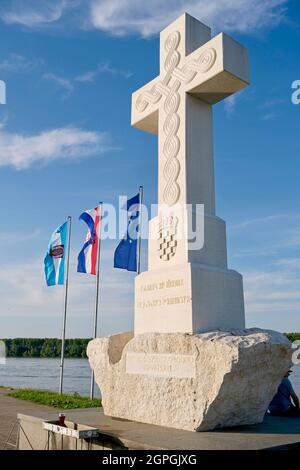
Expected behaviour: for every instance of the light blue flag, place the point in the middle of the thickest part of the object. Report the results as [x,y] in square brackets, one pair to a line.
[55,257]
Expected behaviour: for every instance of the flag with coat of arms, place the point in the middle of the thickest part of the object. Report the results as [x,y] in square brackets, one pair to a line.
[54,262]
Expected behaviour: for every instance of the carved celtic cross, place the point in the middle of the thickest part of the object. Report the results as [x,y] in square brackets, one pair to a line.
[195,72]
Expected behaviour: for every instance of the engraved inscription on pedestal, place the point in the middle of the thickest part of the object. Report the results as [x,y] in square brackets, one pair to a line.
[163,293]
[178,366]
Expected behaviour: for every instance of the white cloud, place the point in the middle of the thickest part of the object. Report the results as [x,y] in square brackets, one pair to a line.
[257,221]
[87,77]
[293,241]
[23,291]
[273,235]
[230,104]
[107,68]
[133,16]
[13,237]
[232,101]
[3,121]
[33,13]
[64,83]
[273,290]
[104,68]
[17,63]
[272,103]
[68,84]
[24,285]
[271,287]
[256,252]
[121,17]
[67,143]
[290,263]
[270,116]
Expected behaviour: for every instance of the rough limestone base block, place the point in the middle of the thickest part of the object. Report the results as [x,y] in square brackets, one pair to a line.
[192,382]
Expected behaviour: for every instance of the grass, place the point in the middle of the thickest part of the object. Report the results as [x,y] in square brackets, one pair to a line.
[44,397]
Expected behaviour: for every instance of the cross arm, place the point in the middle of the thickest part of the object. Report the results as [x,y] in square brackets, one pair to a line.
[212,72]
[144,106]
[220,67]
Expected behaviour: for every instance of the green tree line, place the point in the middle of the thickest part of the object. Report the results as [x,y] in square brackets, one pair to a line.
[51,347]
[293,336]
[45,347]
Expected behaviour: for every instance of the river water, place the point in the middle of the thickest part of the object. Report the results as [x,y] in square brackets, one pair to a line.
[44,374]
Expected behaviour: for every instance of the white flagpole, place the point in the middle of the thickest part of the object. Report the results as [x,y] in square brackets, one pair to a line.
[92,389]
[138,251]
[63,335]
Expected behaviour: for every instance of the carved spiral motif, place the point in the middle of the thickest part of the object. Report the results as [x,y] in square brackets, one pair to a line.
[173,56]
[206,60]
[171,145]
[203,64]
[152,96]
[172,60]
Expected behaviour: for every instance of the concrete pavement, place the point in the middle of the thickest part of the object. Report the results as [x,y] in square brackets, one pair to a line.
[273,433]
[9,408]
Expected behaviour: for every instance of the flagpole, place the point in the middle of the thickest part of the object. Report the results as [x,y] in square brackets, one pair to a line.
[92,389]
[63,335]
[138,251]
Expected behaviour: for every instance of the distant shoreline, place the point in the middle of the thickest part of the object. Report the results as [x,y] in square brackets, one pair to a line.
[51,347]
[45,347]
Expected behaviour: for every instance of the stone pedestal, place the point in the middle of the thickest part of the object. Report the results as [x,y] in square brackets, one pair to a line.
[194,382]
[188,298]
[193,291]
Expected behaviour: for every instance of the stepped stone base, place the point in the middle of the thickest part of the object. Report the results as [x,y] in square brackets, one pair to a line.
[196,382]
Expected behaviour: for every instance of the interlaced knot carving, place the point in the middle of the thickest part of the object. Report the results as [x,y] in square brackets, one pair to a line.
[170,89]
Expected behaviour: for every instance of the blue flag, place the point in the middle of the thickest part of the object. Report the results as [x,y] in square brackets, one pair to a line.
[126,252]
[55,257]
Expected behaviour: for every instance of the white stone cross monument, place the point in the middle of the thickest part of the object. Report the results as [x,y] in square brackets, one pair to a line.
[188,290]
[160,374]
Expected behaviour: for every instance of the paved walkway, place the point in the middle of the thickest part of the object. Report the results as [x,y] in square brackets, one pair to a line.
[273,433]
[9,408]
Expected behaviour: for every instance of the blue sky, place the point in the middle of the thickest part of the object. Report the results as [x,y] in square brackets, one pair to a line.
[70,67]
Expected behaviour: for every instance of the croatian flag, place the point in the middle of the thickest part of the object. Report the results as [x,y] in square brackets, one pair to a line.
[87,258]
[55,257]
